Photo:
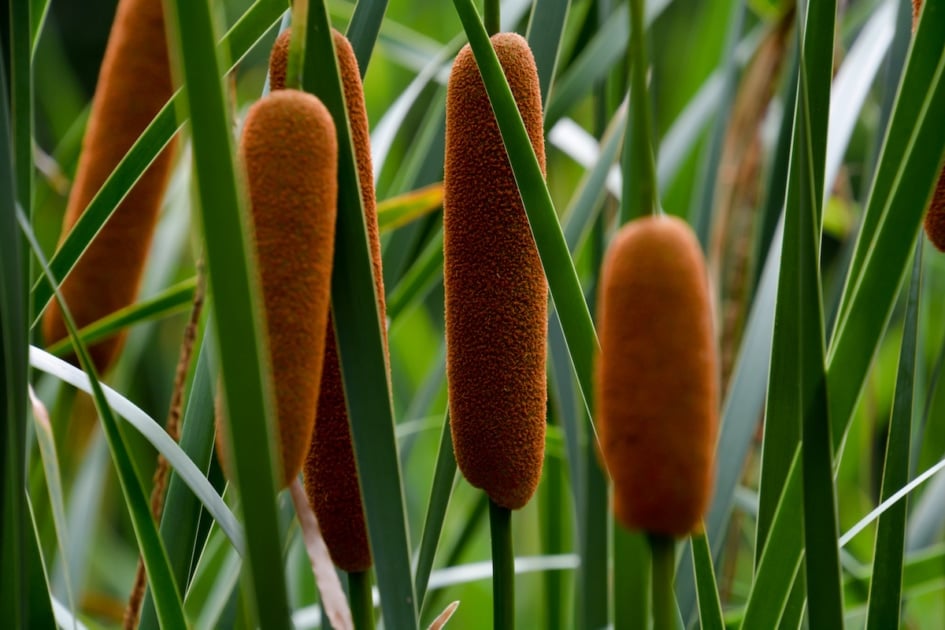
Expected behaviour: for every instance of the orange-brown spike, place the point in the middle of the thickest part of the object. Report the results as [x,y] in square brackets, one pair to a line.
[496,294]
[290,154]
[134,84]
[657,377]
[331,474]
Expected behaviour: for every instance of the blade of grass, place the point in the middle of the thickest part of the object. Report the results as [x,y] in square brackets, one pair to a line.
[398,211]
[173,300]
[559,268]
[53,478]
[233,282]
[361,350]
[545,29]
[905,177]
[13,372]
[631,581]
[153,432]
[444,476]
[363,29]
[238,40]
[21,101]
[710,608]
[38,11]
[179,522]
[886,584]
[166,596]
[417,282]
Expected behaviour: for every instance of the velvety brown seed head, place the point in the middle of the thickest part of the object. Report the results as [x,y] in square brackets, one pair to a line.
[134,84]
[916,8]
[290,155]
[496,294]
[935,217]
[657,377]
[279,61]
[331,474]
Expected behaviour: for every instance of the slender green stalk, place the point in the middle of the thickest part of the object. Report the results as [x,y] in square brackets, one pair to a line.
[492,18]
[663,549]
[631,579]
[362,601]
[296,60]
[503,568]
[639,180]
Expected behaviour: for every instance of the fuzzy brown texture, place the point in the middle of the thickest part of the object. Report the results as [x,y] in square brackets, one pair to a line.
[496,294]
[290,154]
[331,473]
[134,84]
[916,8]
[657,387]
[279,61]
[935,217]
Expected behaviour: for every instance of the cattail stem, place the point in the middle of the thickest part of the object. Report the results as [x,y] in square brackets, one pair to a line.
[361,599]
[492,19]
[663,549]
[296,57]
[503,567]
[639,191]
[631,558]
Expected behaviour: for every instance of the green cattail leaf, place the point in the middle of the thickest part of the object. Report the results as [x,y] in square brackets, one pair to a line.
[710,609]
[908,168]
[238,40]
[247,387]
[173,300]
[545,29]
[886,584]
[361,348]
[167,597]
[363,30]
[13,372]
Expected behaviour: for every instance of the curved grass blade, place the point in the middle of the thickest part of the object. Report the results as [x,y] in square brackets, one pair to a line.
[244,34]
[710,608]
[247,386]
[559,269]
[166,596]
[21,100]
[154,433]
[13,373]
[886,585]
[444,477]
[361,349]
[173,300]
[417,282]
[400,210]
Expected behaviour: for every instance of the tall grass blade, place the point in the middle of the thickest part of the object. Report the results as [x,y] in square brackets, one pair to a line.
[545,29]
[166,595]
[563,282]
[13,346]
[179,521]
[361,350]
[363,29]
[905,177]
[443,478]
[886,585]
[710,608]
[233,283]
[21,100]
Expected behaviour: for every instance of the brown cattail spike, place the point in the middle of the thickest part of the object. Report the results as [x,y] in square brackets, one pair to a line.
[496,294]
[134,84]
[657,377]
[290,154]
[331,474]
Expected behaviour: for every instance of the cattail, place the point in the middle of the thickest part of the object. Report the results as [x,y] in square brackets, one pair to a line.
[134,84]
[496,294]
[331,474]
[935,216]
[290,154]
[657,377]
